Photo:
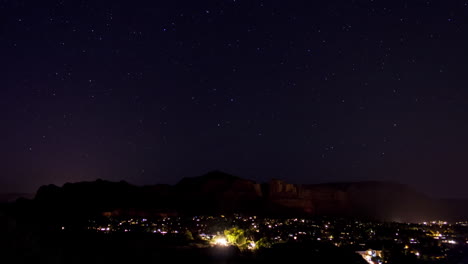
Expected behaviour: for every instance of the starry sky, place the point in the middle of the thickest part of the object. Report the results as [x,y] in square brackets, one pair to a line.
[305,91]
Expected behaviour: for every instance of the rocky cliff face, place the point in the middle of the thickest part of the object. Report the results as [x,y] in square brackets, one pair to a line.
[218,192]
[282,195]
[379,200]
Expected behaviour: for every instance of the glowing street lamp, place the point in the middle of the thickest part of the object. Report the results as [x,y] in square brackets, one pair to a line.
[221,241]
[252,245]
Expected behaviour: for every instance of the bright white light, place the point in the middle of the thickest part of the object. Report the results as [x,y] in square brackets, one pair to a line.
[221,241]
[252,245]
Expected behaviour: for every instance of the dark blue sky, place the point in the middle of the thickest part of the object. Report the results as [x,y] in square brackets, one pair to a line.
[305,91]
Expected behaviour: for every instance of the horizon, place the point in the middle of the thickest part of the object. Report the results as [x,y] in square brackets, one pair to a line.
[413,188]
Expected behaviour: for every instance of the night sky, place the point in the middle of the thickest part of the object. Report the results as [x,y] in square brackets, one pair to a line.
[305,91]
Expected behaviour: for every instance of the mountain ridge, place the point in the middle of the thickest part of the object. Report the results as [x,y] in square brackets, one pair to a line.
[217,192]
